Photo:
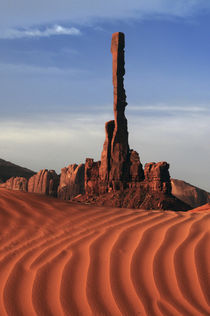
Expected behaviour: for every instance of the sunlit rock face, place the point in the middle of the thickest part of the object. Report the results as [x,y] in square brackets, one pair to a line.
[71,181]
[16,183]
[44,182]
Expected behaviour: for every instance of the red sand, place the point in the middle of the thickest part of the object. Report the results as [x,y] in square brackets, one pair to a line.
[59,258]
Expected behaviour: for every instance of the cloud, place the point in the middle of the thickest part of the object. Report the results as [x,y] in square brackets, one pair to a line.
[24,69]
[36,141]
[171,109]
[34,33]
[24,12]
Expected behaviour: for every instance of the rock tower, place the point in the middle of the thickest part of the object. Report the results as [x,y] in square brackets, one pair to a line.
[119,179]
[114,169]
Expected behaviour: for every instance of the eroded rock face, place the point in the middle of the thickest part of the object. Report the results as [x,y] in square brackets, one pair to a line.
[120,179]
[114,170]
[106,152]
[119,146]
[44,182]
[92,177]
[71,181]
[17,183]
[136,169]
[157,176]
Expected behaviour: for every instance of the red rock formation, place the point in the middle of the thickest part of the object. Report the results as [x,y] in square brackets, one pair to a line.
[157,177]
[119,146]
[136,169]
[71,182]
[17,183]
[92,177]
[115,156]
[137,197]
[119,180]
[106,157]
[44,182]
[151,192]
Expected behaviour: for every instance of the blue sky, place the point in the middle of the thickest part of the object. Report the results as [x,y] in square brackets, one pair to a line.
[56,81]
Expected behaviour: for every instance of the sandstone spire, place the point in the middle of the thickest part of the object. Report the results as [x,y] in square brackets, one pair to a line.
[119,145]
[119,179]
[115,155]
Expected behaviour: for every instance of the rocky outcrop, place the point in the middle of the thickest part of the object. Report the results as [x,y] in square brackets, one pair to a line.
[189,194]
[136,197]
[157,177]
[105,166]
[136,169]
[71,181]
[154,192]
[148,190]
[119,146]
[44,182]
[114,170]
[92,180]
[9,170]
[119,179]
[16,183]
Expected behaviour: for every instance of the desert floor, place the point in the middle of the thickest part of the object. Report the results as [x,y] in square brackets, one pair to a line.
[59,258]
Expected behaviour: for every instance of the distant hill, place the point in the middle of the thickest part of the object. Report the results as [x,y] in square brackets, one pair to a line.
[8,170]
[189,193]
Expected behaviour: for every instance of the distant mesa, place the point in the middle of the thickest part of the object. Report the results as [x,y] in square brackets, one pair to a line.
[119,178]
[8,170]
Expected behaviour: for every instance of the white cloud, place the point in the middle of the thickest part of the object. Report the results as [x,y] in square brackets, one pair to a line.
[24,69]
[175,109]
[24,12]
[55,140]
[33,33]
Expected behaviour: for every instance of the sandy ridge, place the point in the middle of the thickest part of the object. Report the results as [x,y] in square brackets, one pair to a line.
[59,258]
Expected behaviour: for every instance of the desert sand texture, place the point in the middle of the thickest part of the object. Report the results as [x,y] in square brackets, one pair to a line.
[58,258]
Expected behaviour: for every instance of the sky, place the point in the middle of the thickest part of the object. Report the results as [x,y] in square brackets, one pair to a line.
[56,82]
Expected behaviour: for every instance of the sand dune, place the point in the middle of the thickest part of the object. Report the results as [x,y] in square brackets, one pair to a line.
[58,258]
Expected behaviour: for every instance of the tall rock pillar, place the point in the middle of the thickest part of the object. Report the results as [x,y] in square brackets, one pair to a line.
[114,169]
[119,163]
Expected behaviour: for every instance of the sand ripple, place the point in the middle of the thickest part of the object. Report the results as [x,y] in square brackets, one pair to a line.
[64,259]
